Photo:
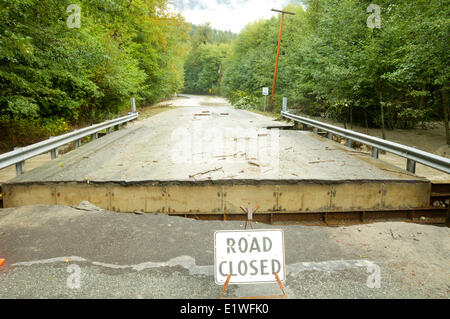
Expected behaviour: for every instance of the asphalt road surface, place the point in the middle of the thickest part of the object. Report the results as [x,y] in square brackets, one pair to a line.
[65,252]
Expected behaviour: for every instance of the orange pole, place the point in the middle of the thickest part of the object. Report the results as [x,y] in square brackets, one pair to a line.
[276,64]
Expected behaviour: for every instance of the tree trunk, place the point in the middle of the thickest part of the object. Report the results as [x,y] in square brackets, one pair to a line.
[391,117]
[367,122]
[351,116]
[383,130]
[446,113]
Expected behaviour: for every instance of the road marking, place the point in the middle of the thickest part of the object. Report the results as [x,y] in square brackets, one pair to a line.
[50,261]
[328,266]
[188,263]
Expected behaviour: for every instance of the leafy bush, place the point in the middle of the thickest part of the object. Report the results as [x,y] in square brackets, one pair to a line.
[23,132]
[408,118]
[330,58]
[247,102]
[20,132]
[121,50]
[54,126]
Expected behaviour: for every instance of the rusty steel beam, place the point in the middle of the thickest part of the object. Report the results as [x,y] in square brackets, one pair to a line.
[420,216]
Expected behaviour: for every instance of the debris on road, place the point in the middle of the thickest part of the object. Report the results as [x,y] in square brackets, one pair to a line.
[393,236]
[204,173]
[203,114]
[319,162]
[254,164]
[224,156]
[87,206]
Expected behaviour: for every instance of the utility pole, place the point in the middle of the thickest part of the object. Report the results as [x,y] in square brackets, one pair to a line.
[278,56]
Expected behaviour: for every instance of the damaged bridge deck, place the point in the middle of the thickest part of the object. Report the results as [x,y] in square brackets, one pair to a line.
[206,162]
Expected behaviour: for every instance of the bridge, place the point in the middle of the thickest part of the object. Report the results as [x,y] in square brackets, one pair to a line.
[205,160]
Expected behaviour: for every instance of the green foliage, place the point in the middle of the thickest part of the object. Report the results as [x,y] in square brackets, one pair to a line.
[54,126]
[247,102]
[123,49]
[206,34]
[202,68]
[21,132]
[332,64]
[210,48]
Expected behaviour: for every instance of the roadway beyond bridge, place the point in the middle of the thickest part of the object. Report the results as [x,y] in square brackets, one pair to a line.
[205,160]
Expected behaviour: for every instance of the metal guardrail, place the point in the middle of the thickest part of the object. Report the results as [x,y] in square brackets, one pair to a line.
[19,155]
[412,154]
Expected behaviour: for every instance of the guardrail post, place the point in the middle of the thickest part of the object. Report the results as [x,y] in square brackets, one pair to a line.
[411,166]
[54,152]
[77,143]
[94,136]
[316,130]
[133,105]
[108,130]
[349,143]
[375,152]
[330,136]
[20,166]
[284,107]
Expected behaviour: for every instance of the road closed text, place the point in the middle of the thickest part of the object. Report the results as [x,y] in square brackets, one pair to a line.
[249,256]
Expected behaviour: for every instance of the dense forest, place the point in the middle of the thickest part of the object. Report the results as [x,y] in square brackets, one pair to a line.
[63,65]
[56,75]
[332,64]
[203,67]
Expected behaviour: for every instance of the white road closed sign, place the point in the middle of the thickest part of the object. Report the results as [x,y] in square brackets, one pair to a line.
[249,256]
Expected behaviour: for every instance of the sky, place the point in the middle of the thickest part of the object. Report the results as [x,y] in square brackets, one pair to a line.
[228,15]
